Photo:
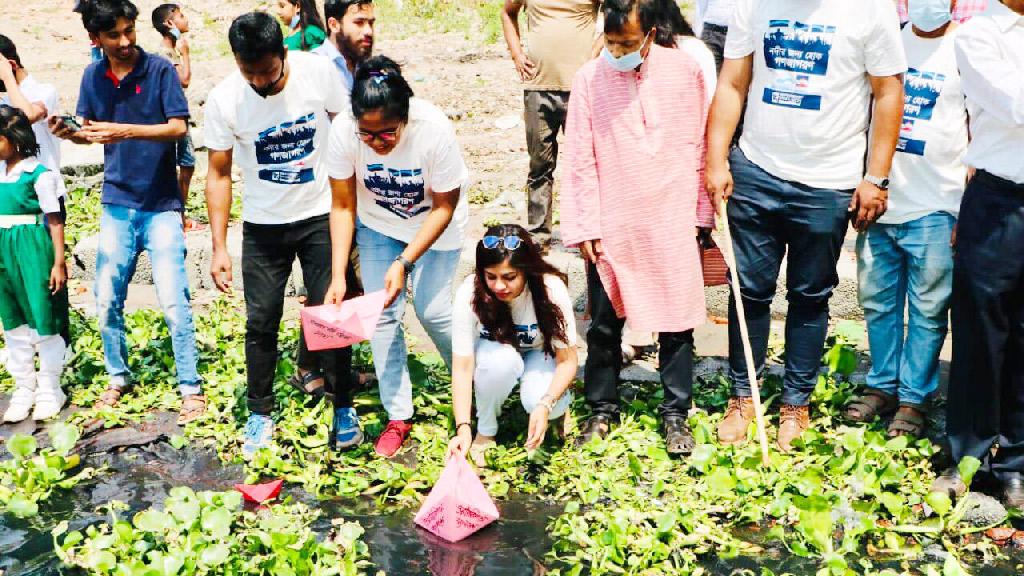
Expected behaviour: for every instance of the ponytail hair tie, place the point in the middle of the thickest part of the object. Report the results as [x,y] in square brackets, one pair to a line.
[379,76]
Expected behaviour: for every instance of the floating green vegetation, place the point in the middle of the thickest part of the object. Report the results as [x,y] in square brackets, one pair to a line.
[31,475]
[211,533]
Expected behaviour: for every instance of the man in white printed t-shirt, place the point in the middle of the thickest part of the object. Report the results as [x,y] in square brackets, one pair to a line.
[986,380]
[272,116]
[905,260]
[807,72]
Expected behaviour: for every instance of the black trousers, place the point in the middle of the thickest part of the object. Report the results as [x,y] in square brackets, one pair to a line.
[986,385]
[604,358]
[268,252]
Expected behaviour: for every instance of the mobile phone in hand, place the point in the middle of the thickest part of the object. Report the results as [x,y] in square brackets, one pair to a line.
[71,122]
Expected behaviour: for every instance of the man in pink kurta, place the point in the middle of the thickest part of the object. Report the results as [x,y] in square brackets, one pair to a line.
[633,200]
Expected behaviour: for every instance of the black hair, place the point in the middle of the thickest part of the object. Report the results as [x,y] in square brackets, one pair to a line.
[101,15]
[161,14]
[495,315]
[379,85]
[675,20]
[9,51]
[337,8]
[308,16]
[652,14]
[255,35]
[14,126]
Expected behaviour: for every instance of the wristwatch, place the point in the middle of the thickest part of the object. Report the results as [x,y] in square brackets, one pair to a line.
[882,183]
[405,263]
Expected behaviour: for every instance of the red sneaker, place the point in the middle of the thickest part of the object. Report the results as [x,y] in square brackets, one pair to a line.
[392,438]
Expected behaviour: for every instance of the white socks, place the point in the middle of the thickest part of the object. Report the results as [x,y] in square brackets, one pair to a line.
[41,390]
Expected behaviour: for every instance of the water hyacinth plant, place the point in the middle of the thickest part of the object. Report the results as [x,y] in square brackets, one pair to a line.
[211,533]
[31,476]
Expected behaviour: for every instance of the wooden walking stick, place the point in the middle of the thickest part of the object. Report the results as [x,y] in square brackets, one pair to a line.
[748,354]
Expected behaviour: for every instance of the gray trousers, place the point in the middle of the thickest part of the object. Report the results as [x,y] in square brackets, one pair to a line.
[545,117]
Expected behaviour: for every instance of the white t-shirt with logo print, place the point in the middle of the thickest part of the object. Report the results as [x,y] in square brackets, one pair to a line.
[395,192]
[928,171]
[279,141]
[809,102]
[467,329]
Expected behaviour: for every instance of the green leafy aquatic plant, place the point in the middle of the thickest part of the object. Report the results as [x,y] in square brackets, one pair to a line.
[211,533]
[31,475]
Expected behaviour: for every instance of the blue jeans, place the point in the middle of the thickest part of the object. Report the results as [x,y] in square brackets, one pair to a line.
[770,217]
[432,298]
[124,234]
[906,266]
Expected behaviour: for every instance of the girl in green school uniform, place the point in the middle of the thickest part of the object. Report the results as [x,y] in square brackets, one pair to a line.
[33,273]
[303,20]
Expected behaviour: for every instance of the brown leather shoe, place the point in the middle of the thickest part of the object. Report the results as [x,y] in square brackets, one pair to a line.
[732,430]
[793,420]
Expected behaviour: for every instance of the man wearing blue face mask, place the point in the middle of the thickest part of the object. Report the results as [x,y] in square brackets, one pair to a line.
[807,71]
[905,261]
[634,201]
[986,381]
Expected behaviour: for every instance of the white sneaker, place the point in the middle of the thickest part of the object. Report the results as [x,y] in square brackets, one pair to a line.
[49,402]
[21,404]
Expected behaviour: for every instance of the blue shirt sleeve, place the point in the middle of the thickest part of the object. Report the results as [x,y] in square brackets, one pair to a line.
[173,100]
[85,107]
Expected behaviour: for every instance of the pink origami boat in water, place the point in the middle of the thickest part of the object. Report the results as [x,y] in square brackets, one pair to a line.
[459,504]
[331,326]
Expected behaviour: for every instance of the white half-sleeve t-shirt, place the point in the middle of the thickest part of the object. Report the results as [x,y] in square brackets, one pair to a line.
[395,192]
[928,171]
[810,95]
[279,141]
[467,329]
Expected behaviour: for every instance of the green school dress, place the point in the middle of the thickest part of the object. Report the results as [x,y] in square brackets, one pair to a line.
[314,37]
[26,251]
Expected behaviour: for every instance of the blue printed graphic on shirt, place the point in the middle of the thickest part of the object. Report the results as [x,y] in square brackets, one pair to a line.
[281,150]
[527,334]
[401,192]
[797,53]
[921,91]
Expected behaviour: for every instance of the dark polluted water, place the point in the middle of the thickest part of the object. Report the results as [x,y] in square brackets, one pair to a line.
[514,546]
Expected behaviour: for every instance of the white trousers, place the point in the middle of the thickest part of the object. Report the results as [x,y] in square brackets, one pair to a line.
[22,344]
[499,367]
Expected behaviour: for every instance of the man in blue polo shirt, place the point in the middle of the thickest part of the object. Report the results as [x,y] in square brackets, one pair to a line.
[132,103]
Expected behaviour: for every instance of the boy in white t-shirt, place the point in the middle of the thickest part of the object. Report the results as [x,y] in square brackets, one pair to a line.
[807,72]
[272,116]
[905,260]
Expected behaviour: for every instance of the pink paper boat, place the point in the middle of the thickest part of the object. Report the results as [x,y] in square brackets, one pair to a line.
[459,504]
[330,326]
[260,493]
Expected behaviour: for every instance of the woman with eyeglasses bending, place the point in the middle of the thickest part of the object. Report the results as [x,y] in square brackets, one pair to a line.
[398,180]
[513,323]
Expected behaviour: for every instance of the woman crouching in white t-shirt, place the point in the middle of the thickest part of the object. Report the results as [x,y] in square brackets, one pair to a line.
[512,323]
[397,179]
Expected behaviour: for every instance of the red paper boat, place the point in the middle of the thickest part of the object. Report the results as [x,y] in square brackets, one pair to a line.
[260,493]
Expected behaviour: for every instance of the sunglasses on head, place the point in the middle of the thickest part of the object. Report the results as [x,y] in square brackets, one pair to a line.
[511,242]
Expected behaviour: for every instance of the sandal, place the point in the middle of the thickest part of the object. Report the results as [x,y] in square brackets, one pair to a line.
[478,450]
[192,406]
[870,404]
[109,398]
[301,383]
[908,421]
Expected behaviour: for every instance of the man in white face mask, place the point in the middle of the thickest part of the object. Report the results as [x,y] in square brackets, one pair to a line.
[986,381]
[633,200]
[905,261]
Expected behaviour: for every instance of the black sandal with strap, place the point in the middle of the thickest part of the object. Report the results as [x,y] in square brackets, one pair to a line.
[908,421]
[870,404]
[301,383]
